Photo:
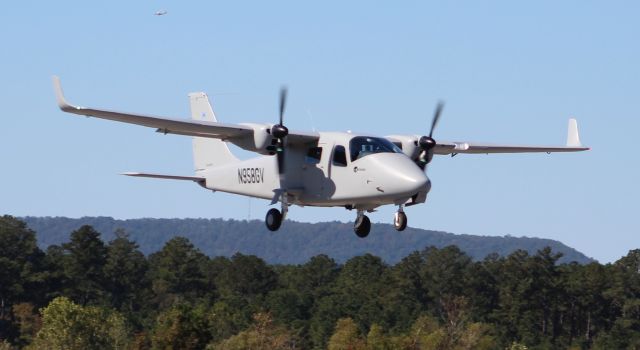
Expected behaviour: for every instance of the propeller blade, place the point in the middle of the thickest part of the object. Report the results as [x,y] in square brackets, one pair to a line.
[436,117]
[283,102]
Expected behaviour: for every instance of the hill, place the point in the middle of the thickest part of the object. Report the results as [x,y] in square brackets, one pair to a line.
[295,243]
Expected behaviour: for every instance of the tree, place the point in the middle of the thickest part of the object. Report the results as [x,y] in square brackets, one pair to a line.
[361,287]
[247,275]
[66,325]
[182,327]
[346,336]
[263,334]
[125,274]
[177,271]
[28,321]
[20,264]
[85,257]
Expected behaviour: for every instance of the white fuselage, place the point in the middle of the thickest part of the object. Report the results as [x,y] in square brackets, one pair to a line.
[317,175]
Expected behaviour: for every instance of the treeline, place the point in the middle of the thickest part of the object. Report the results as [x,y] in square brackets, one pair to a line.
[295,242]
[88,294]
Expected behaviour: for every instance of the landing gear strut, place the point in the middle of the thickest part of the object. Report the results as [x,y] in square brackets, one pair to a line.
[362,226]
[400,219]
[274,217]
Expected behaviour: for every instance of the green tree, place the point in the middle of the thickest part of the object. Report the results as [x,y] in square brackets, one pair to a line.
[20,265]
[247,275]
[263,334]
[85,258]
[362,287]
[182,327]
[66,325]
[177,272]
[125,274]
[346,336]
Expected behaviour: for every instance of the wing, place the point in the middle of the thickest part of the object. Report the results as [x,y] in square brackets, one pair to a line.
[573,144]
[226,132]
[409,145]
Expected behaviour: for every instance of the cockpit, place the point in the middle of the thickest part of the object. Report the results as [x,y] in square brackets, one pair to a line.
[362,146]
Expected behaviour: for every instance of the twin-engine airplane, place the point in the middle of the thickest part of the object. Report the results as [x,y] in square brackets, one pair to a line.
[325,169]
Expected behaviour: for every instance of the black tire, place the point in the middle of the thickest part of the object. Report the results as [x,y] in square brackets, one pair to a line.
[401,222]
[273,220]
[362,226]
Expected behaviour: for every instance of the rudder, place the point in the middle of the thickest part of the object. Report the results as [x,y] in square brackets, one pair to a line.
[207,152]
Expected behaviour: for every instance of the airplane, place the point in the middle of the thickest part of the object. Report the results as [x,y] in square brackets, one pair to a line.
[356,171]
[160,13]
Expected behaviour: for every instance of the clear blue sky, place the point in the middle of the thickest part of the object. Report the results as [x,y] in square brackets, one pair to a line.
[509,71]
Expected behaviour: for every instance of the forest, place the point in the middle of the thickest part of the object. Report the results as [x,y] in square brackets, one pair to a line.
[86,293]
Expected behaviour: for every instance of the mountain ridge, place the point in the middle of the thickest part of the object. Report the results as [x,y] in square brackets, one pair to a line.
[295,242]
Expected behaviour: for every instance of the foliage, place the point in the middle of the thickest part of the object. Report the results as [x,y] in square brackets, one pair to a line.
[66,325]
[263,334]
[95,295]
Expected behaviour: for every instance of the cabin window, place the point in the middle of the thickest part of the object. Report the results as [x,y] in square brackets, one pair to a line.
[313,155]
[362,146]
[339,156]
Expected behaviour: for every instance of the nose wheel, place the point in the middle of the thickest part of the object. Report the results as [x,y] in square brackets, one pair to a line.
[362,226]
[400,220]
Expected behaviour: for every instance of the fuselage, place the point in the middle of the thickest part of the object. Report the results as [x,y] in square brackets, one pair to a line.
[341,169]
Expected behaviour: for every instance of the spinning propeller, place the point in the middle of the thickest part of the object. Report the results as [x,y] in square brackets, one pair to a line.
[280,132]
[427,143]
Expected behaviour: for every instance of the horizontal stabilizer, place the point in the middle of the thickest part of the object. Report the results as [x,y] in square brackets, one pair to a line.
[170,177]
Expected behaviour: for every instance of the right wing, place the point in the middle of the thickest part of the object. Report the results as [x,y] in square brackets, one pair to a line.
[189,127]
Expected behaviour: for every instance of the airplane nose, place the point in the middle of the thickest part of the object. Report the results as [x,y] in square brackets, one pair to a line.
[399,175]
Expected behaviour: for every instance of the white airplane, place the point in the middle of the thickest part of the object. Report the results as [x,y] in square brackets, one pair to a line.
[326,169]
[160,13]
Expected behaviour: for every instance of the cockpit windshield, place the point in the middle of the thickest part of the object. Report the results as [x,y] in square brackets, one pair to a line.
[361,146]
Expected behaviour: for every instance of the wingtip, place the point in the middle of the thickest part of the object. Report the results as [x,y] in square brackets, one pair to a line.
[62,102]
[573,136]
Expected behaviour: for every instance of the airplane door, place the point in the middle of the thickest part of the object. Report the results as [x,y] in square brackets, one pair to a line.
[315,171]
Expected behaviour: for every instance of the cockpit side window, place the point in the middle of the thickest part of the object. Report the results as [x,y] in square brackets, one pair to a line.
[313,155]
[361,146]
[339,156]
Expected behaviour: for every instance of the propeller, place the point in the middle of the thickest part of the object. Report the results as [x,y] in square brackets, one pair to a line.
[427,143]
[280,132]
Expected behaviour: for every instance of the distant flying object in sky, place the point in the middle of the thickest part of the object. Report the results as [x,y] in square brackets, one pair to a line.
[326,169]
[160,13]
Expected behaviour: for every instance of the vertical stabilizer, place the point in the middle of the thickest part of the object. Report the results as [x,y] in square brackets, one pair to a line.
[207,152]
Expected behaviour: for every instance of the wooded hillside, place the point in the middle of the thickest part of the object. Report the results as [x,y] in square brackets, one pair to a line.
[90,294]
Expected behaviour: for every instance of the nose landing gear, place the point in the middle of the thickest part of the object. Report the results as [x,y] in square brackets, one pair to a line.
[400,219]
[362,226]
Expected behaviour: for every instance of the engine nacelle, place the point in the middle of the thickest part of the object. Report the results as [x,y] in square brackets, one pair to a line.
[262,141]
[408,144]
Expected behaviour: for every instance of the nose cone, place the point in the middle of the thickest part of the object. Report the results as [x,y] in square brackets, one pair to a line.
[398,175]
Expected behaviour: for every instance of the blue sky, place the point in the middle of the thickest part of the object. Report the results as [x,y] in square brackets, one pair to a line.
[509,72]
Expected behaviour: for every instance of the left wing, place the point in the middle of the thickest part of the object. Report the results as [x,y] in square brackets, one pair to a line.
[573,145]
[410,145]
[200,128]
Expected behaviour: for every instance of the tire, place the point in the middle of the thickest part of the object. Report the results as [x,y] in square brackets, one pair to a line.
[273,220]
[400,221]
[362,226]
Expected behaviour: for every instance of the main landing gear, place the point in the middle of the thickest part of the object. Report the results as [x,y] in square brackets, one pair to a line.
[274,217]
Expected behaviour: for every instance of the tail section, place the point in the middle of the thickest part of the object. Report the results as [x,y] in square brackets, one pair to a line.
[207,152]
